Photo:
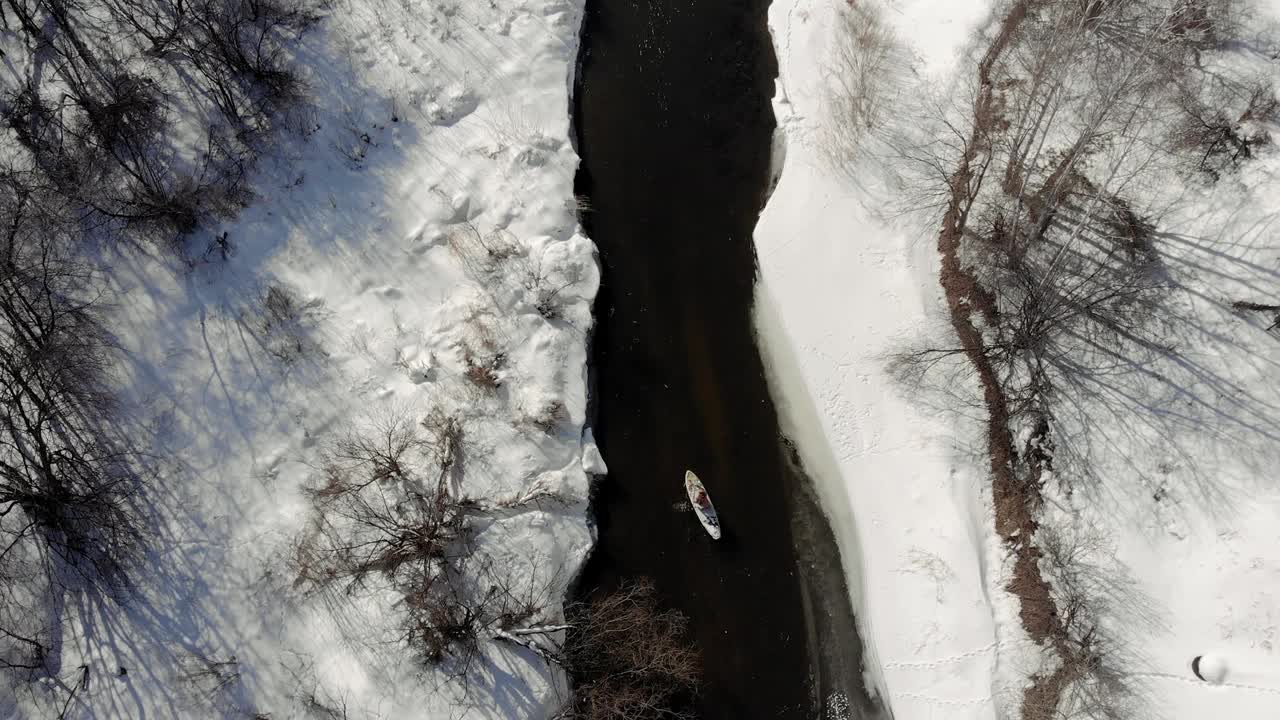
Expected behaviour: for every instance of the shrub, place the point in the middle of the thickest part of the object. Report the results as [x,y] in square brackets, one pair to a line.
[630,660]
[288,324]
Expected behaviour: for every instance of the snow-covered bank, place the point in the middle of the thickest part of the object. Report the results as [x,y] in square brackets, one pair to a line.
[414,248]
[1176,540]
[839,293]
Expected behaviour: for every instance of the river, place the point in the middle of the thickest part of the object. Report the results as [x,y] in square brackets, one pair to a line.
[673,121]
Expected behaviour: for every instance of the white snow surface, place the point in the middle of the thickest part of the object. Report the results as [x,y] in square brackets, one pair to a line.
[1197,526]
[906,483]
[839,292]
[430,120]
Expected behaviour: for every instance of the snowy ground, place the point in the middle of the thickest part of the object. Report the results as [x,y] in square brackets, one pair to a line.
[1200,529]
[839,292]
[428,216]
[905,482]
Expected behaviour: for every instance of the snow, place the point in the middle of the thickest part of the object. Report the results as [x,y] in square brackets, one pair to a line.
[839,292]
[1193,528]
[439,130]
[938,32]
[428,216]
[592,461]
[1213,668]
[1201,539]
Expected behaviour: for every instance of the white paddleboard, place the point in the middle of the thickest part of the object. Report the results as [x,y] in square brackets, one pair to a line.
[701,503]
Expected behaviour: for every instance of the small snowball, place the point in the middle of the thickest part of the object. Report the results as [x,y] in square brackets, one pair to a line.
[1211,668]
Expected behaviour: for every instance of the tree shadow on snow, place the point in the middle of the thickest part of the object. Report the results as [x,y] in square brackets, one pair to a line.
[186,637]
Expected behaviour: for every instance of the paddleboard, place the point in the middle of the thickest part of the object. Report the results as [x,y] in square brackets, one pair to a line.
[701,503]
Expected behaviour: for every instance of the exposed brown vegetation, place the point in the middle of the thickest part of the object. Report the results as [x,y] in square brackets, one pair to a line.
[1015,503]
[383,506]
[483,372]
[1047,271]
[631,660]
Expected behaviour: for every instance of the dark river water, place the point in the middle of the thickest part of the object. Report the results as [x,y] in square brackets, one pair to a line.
[673,121]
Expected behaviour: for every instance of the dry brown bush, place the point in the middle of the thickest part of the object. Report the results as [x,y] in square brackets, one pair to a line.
[630,659]
[386,517]
[483,372]
[382,507]
[547,416]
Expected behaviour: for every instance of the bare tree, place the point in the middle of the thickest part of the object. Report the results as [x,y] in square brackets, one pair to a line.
[1223,122]
[387,516]
[66,479]
[1096,600]
[1052,274]
[1050,253]
[865,65]
[96,120]
[382,504]
[237,46]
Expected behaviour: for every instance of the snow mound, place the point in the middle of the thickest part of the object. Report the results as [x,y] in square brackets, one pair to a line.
[592,460]
[1211,668]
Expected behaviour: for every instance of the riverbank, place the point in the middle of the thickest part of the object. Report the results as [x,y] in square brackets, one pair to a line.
[840,292]
[1158,511]
[351,295]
